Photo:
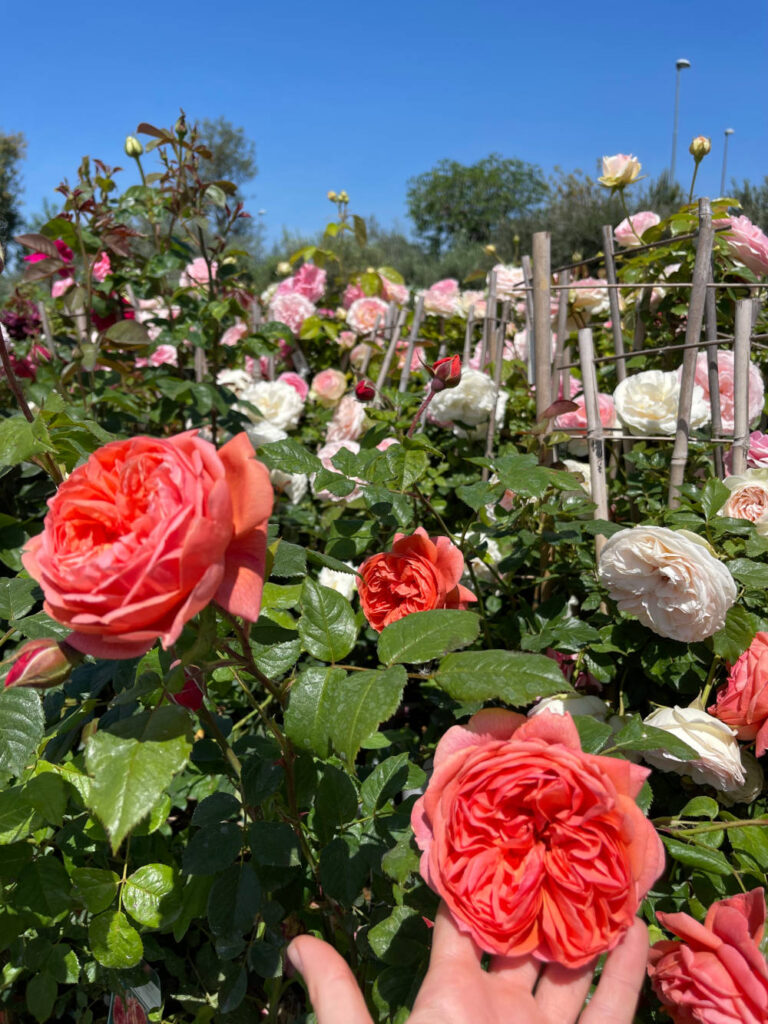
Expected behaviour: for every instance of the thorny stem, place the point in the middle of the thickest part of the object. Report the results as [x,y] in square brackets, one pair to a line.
[683,829]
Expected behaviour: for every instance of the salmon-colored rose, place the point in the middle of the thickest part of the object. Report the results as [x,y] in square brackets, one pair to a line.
[145,534]
[536,847]
[743,702]
[717,974]
[419,573]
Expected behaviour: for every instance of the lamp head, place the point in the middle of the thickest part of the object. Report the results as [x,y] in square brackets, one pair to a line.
[680,64]
[729,131]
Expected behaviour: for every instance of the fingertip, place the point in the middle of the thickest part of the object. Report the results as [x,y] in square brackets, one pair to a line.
[450,942]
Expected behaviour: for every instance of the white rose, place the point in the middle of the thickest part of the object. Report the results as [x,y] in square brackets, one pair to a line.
[236,380]
[581,469]
[719,762]
[669,580]
[293,485]
[344,583]
[510,281]
[264,432]
[647,403]
[278,402]
[470,402]
[575,704]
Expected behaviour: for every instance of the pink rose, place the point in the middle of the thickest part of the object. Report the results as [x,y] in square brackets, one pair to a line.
[235,334]
[296,382]
[348,420]
[347,339]
[328,386]
[393,292]
[352,293]
[308,281]
[197,273]
[164,355]
[717,974]
[442,298]
[747,243]
[364,312]
[589,295]
[757,455]
[725,380]
[65,253]
[102,268]
[62,285]
[510,282]
[629,233]
[291,309]
[359,354]
[577,419]
[743,702]
[476,301]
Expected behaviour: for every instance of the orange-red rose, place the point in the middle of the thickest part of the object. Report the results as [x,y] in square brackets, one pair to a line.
[145,534]
[536,847]
[743,701]
[419,573]
[717,974]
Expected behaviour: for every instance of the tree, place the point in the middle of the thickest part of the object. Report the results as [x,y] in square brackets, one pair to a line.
[233,158]
[12,149]
[458,204]
[754,201]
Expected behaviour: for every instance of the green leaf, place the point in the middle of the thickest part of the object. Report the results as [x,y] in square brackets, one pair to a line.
[401,861]
[41,995]
[212,849]
[343,869]
[511,676]
[327,625]
[593,735]
[400,939]
[405,466]
[40,627]
[216,808]
[290,560]
[422,636]
[311,708]
[713,497]
[128,334]
[754,575]
[289,457]
[96,887]
[17,816]
[63,964]
[152,895]
[131,774]
[752,840]
[234,900]
[361,703]
[636,735]
[44,887]
[114,942]
[335,803]
[385,781]
[48,794]
[700,807]
[21,728]
[736,635]
[20,440]
[274,844]
[699,857]
[16,597]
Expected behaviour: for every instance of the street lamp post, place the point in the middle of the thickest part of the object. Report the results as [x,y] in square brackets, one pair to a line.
[680,65]
[728,131]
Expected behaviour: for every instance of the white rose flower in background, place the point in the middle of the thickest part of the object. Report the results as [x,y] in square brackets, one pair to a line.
[344,583]
[237,381]
[719,761]
[277,402]
[669,580]
[619,170]
[510,281]
[292,485]
[748,498]
[589,295]
[576,704]
[752,786]
[491,556]
[646,403]
[581,469]
[264,432]
[470,402]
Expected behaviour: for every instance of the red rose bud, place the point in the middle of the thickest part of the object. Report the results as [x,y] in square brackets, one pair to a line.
[446,373]
[191,694]
[365,391]
[42,664]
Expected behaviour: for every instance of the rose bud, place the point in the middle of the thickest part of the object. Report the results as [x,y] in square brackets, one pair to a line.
[446,373]
[699,148]
[190,696]
[42,664]
[132,146]
[365,391]
[332,196]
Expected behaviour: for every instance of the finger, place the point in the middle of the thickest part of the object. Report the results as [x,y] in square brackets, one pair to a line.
[335,997]
[450,946]
[615,998]
[516,971]
[561,992]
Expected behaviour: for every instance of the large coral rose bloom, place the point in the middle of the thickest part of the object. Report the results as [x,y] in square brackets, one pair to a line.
[536,847]
[146,533]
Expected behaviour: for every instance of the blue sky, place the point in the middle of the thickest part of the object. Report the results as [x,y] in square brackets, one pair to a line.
[363,96]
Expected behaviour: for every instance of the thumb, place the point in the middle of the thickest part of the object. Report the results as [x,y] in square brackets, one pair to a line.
[333,990]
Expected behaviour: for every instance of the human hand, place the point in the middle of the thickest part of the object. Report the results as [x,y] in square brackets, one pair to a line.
[456,990]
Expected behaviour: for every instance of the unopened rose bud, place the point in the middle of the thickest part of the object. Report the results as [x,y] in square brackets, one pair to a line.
[490,249]
[132,146]
[190,695]
[181,127]
[332,196]
[365,391]
[283,267]
[42,664]
[343,197]
[699,148]
[445,373]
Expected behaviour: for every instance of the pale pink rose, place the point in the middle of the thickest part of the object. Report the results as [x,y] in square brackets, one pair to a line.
[363,313]
[325,454]
[619,170]
[725,379]
[164,355]
[577,420]
[154,309]
[235,334]
[326,311]
[749,496]
[347,339]
[60,286]
[626,233]
[308,281]
[589,295]
[296,382]
[101,268]
[474,300]
[348,420]
[393,292]
[442,298]
[417,357]
[197,273]
[328,386]
[747,243]
[757,455]
[352,293]
[510,281]
[359,354]
[291,309]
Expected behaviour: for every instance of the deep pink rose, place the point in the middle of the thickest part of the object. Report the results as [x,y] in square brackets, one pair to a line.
[629,233]
[296,382]
[198,273]
[725,380]
[747,243]
[743,702]
[717,974]
[351,293]
[58,288]
[102,268]
[308,281]
[164,355]
[235,334]
[757,455]
[64,252]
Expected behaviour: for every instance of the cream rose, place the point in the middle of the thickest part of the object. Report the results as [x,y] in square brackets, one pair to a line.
[749,497]
[719,761]
[646,403]
[669,580]
[470,402]
[619,170]
[277,402]
[344,583]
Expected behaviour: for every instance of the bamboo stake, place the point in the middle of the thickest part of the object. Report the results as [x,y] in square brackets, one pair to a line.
[743,327]
[613,298]
[528,275]
[397,327]
[562,350]
[418,315]
[710,333]
[369,347]
[595,442]
[692,336]
[542,327]
[468,336]
[497,369]
[489,321]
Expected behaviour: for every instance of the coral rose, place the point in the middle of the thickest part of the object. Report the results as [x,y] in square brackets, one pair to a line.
[145,534]
[717,974]
[419,573]
[536,847]
[743,702]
